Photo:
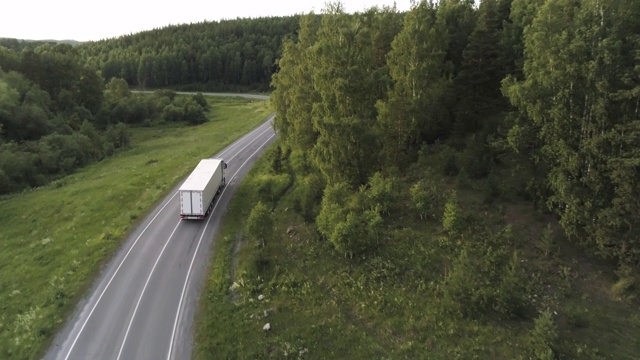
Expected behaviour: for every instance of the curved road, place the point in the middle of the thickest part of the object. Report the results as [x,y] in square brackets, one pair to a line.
[143,303]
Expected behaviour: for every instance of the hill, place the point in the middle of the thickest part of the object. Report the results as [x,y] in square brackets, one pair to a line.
[453,182]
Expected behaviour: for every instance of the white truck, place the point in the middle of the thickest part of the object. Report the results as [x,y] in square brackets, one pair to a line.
[200,189]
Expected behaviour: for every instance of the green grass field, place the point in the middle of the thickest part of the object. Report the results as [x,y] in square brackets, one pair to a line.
[389,305]
[53,240]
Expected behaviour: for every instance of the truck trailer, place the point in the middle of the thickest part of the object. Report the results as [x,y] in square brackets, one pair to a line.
[198,192]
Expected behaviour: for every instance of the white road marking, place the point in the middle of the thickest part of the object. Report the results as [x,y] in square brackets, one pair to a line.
[144,288]
[184,287]
[112,277]
[84,324]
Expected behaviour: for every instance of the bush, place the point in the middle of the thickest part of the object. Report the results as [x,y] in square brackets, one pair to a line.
[381,192]
[486,277]
[260,224]
[357,233]
[476,158]
[119,136]
[451,218]
[272,187]
[200,100]
[194,113]
[425,199]
[308,195]
[165,93]
[172,113]
[623,288]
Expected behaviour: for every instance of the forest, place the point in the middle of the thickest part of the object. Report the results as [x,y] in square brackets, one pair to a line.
[229,55]
[541,98]
[58,115]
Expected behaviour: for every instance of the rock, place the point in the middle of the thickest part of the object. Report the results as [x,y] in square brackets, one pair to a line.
[266,313]
[266,327]
[290,231]
[234,286]
[260,297]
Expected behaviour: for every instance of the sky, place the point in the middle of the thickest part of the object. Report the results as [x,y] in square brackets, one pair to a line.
[86,20]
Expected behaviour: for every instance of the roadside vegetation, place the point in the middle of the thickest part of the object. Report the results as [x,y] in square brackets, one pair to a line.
[466,274]
[55,238]
[457,181]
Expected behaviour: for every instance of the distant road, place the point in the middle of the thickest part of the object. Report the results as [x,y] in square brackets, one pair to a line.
[143,303]
[246,96]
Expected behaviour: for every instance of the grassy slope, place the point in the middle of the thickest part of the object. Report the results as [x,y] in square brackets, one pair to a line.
[54,239]
[321,306]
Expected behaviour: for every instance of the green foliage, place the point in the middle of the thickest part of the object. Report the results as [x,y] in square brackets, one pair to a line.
[230,55]
[355,234]
[119,136]
[577,110]
[547,243]
[308,193]
[293,98]
[352,222]
[271,187]
[381,193]
[260,224]
[194,113]
[116,90]
[452,217]
[172,113]
[543,337]
[200,100]
[625,287]
[333,209]
[424,199]
[481,70]
[486,277]
[276,158]
[415,109]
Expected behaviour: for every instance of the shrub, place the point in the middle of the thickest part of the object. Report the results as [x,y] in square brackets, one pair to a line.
[547,242]
[119,136]
[260,224]
[381,192]
[200,100]
[194,113]
[272,187]
[623,289]
[451,218]
[424,199]
[486,277]
[172,113]
[308,194]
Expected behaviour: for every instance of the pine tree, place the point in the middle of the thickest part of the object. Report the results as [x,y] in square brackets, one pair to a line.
[482,70]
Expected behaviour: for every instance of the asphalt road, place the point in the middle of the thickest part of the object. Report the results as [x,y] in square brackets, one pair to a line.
[246,96]
[143,303]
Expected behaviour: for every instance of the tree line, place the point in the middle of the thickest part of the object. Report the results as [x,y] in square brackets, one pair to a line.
[227,55]
[537,96]
[57,114]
